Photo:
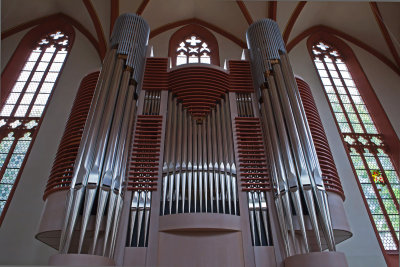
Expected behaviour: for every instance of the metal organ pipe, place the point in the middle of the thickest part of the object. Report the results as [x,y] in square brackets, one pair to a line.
[102,156]
[295,168]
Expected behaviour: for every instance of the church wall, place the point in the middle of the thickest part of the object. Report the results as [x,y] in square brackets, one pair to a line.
[21,221]
[8,46]
[363,248]
[227,49]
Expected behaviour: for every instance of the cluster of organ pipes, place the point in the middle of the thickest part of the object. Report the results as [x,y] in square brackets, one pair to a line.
[259,221]
[100,166]
[139,219]
[199,172]
[152,103]
[294,167]
[244,103]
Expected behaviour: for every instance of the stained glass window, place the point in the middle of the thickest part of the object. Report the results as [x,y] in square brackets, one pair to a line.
[193,50]
[368,153]
[24,107]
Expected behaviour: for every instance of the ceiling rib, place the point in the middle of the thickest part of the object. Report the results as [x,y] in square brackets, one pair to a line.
[245,11]
[292,20]
[385,32]
[97,25]
[272,6]
[345,36]
[210,26]
[72,21]
[114,13]
[142,6]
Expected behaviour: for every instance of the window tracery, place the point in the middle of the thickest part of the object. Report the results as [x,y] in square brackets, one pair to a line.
[374,169]
[193,50]
[23,108]
[193,44]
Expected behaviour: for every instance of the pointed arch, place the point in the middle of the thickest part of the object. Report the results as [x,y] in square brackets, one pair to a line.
[188,32]
[28,82]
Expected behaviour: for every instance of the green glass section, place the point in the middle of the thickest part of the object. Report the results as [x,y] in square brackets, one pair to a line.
[361,108]
[5,190]
[374,206]
[333,98]
[341,90]
[357,162]
[345,99]
[9,176]
[348,108]
[344,127]
[363,176]
[340,117]
[357,128]
[16,161]
[380,223]
[368,191]
[5,146]
[22,147]
[366,118]
[336,107]
[370,128]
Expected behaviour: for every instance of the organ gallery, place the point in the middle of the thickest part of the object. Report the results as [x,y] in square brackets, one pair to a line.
[172,160]
[199,133]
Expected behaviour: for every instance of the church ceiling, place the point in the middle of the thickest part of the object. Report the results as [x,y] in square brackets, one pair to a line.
[374,24]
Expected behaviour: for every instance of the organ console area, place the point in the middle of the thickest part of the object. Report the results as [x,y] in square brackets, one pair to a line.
[194,165]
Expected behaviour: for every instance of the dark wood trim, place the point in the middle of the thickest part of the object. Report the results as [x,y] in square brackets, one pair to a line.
[200,22]
[345,36]
[203,34]
[114,13]
[43,20]
[272,7]
[376,110]
[97,25]
[385,32]
[245,11]
[292,20]
[142,6]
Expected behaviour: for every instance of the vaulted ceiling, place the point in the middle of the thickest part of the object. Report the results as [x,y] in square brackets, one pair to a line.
[373,26]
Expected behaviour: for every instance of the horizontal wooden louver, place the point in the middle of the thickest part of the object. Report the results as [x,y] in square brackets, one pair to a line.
[252,158]
[145,157]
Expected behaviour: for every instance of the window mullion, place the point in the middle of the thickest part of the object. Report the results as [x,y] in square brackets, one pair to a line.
[46,71]
[379,198]
[28,81]
[337,96]
[396,203]
[17,136]
[349,95]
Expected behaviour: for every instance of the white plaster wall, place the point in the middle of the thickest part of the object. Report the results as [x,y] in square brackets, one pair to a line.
[8,46]
[17,233]
[227,49]
[362,250]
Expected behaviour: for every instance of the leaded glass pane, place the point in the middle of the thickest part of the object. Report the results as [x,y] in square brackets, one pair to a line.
[18,87]
[32,87]
[9,176]
[12,98]
[348,108]
[5,190]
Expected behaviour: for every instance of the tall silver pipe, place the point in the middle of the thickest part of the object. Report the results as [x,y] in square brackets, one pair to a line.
[166,164]
[178,165]
[184,158]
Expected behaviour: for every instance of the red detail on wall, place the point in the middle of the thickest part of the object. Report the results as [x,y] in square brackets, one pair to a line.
[199,88]
[145,157]
[252,158]
[155,74]
[329,172]
[63,165]
[240,80]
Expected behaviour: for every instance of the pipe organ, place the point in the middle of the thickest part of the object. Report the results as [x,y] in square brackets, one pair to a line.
[194,165]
